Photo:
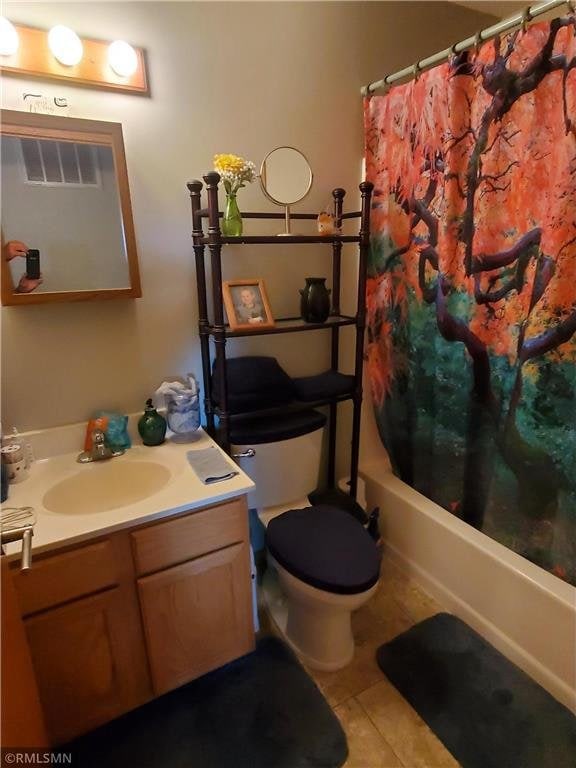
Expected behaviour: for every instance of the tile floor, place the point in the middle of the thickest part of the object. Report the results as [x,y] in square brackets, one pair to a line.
[382,728]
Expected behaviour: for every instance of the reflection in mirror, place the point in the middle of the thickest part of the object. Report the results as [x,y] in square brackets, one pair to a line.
[61,199]
[67,231]
[286,178]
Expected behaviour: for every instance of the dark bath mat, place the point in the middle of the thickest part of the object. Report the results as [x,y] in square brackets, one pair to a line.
[261,711]
[486,711]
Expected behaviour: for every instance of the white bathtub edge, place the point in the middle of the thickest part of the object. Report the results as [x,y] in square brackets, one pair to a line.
[526,613]
[502,642]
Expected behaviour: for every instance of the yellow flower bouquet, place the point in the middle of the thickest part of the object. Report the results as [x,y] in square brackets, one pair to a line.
[235,173]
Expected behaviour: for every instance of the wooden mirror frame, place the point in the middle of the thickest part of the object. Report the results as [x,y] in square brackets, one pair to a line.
[34,125]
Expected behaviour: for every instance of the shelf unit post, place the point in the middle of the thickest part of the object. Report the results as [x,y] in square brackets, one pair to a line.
[338,195]
[195,189]
[366,188]
[219,331]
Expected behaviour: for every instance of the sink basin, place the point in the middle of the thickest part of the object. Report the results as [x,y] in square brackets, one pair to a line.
[106,485]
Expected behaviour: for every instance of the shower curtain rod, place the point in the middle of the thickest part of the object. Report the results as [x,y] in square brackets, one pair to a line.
[518,20]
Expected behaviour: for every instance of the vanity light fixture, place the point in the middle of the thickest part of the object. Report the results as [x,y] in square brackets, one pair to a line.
[9,40]
[122,58]
[65,45]
[60,54]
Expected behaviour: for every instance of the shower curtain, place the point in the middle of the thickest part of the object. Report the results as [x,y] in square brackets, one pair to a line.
[471,294]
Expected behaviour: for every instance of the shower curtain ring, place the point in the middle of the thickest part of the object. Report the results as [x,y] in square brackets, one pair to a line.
[526,17]
[477,42]
[416,71]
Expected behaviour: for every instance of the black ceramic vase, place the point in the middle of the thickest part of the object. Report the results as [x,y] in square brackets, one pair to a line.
[315,301]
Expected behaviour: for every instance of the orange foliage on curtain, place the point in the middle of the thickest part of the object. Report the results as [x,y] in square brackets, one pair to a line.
[474,168]
[474,220]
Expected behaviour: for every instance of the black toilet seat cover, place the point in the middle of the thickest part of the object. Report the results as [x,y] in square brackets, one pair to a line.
[325,547]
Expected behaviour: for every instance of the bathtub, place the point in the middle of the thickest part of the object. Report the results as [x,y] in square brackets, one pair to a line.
[524,611]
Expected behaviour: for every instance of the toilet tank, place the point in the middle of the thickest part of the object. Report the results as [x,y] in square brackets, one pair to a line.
[283,471]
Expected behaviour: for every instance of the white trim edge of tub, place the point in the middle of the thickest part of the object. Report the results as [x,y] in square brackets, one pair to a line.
[525,612]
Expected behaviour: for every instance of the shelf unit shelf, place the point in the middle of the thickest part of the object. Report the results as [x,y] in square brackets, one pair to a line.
[296,406]
[287,325]
[282,239]
[219,332]
[204,213]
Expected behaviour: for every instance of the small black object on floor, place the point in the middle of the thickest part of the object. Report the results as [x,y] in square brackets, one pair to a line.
[486,711]
[261,711]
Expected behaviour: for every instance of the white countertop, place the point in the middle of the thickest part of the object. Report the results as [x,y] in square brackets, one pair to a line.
[184,491]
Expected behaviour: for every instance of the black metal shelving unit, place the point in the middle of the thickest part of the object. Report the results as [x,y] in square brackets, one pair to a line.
[219,332]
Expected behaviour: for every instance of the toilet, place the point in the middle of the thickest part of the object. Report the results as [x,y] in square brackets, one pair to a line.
[322,564]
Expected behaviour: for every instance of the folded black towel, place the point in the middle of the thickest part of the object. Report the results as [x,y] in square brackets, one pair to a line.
[327,384]
[253,383]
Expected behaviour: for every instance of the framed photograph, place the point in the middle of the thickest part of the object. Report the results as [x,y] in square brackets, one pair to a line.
[247,304]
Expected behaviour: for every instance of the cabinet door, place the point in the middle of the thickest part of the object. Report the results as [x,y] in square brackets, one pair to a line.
[89,663]
[197,616]
[22,721]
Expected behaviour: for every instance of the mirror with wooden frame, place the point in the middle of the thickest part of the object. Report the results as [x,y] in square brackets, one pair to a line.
[67,228]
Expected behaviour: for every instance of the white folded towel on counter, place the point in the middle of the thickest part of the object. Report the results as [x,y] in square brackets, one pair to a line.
[210,466]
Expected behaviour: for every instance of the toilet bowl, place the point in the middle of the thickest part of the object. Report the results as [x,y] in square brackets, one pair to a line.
[323,565]
[326,566]
[315,624]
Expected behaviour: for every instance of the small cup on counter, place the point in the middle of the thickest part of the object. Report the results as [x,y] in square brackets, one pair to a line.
[16,461]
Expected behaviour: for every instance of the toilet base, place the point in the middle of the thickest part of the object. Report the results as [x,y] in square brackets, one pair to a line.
[314,623]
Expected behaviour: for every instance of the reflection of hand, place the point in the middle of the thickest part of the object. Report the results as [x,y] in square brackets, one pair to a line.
[14,248]
[27,284]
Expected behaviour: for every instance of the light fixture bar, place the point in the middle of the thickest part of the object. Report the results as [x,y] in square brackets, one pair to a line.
[35,59]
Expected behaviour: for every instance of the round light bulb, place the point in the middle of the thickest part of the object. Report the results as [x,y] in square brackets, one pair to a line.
[122,58]
[9,40]
[65,45]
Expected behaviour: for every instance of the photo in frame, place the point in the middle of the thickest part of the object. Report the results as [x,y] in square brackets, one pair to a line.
[247,305]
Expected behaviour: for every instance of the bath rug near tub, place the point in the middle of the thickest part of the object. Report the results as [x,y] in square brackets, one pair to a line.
[261,711]
[485,710]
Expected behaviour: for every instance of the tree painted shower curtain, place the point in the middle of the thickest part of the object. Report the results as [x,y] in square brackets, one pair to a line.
[471,296]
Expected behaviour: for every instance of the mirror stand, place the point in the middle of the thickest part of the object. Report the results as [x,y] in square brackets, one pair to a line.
[286,222]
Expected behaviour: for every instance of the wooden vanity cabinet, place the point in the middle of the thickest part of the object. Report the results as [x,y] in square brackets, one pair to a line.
[195,616]
[89,663]
[82,621]
[117,621]
[196,601]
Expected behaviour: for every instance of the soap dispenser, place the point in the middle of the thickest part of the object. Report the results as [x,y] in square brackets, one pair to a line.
[152,426]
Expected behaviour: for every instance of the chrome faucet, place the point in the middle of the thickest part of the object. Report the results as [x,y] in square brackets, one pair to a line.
[100,450]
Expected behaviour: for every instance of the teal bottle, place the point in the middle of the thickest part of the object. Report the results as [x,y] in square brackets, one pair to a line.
[152,426]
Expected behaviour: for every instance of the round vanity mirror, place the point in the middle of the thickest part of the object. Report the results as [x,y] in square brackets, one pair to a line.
[286,178]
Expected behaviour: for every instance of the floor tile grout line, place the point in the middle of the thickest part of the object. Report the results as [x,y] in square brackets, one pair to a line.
[379,734]
[363,708]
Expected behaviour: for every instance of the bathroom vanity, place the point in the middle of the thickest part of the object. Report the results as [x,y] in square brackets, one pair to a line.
[132,610]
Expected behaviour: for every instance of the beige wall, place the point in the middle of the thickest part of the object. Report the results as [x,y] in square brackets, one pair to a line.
[235,77]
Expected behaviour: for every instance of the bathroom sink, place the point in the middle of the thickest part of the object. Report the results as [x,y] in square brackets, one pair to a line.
[106,485]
